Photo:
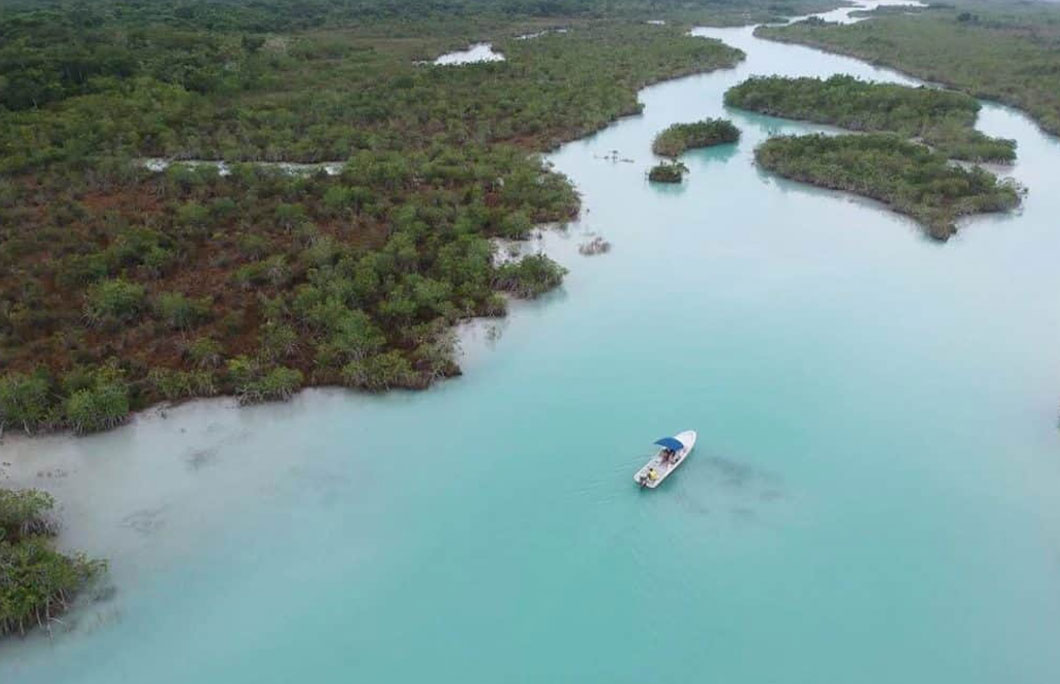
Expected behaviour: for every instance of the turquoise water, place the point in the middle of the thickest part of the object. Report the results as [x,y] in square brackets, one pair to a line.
[873,496]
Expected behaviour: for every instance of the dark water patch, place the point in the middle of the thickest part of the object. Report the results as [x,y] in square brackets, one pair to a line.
[200,458]
[146,521]
[328,487]
[743,515]
[52,473]
[743,494]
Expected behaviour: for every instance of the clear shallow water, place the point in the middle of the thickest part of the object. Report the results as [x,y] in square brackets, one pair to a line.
[873,497]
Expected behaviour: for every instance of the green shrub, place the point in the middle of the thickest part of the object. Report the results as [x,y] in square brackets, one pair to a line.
[80,377]
[253,246]
[273,271]
[38,583]
[529,277]
[177,384]
[180,312]
[25,401]
[115,300]
[290,215]
[272,308]
[134,246]
[193,215]
[380,372]
[24,513]
[667,172]
[205,352]
[496,306]
[242,371]
[233,322]
[337,199]
[80,269]
[278,384]
[248,275]
[277,341]
[355,336]
[515,225]
[101,407]
[157,260]
[321,251]
[223,207]
[436,357]
[253,384]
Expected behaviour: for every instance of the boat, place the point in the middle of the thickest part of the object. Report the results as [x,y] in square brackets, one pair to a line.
[672,452]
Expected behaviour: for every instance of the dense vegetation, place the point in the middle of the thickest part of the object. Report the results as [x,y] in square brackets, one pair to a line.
[884,10]
[120,287]
[37,583]
[1006,51]
[943,119]
[325,96]
[680,137]
[908,177]
[667,172]
[51,50]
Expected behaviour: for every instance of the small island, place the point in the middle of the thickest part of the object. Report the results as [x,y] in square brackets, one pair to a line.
[685,136]
[667,172]
[943,119]
[37,583]
[906,176]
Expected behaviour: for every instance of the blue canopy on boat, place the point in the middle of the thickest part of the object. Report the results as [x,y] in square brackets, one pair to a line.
[671,443]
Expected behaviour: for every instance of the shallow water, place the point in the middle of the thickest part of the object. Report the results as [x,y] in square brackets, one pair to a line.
[873,496]
[479,52]
[543,32]
[332,168]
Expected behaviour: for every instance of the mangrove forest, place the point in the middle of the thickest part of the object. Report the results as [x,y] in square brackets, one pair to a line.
[1005,51]
[685,136]
[37,583]
[906,176]
[667,172]
[122,285]
[943,119]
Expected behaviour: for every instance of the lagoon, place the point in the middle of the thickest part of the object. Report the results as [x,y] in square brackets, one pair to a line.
[873,496]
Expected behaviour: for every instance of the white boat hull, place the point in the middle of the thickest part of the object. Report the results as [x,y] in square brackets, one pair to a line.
[656,470]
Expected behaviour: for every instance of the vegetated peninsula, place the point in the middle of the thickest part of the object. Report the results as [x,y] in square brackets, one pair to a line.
[120,287]
[685,136]
[37,583]
[940,118]
[885,10]
[1001,51]
[906,176]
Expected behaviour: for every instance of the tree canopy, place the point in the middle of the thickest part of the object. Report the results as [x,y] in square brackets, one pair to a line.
[941,118]
[121,286]
[1004,51]
[906,176]
[684,136]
